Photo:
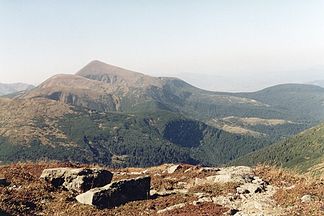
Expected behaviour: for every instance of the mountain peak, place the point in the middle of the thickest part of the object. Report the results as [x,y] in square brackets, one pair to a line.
[97,67]
[97,70]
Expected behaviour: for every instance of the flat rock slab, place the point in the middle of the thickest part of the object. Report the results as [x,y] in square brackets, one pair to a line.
[77,180]
[117,193]
[239,174]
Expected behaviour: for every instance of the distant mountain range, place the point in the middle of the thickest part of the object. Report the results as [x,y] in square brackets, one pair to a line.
[106,114]
[6,89]
[318,83]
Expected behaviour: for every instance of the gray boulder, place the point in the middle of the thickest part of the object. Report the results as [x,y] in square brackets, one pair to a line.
[77,180]
[117,193]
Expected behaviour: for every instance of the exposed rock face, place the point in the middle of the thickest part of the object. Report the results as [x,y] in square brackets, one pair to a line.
[117,193]
[77,180]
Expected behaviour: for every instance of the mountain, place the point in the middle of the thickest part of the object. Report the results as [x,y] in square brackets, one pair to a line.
[318,83]
[41,128]
[104,87]
[304,151]
[299,102]
[117,76]
[13,88]
[106,114]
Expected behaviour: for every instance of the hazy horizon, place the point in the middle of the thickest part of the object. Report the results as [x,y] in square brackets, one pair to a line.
[247,45]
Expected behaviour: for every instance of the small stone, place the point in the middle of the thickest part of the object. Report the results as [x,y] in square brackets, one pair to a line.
[250,188]
[202,200]
[233,211]
[209,169]
[242,190]
[306,198]
[170,208]
[173,168]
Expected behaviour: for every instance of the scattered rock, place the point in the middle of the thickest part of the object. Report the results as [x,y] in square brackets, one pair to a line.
[223,200]
[77,180]
[188,170]
[250,188]
[202,200]
[209,169]
[173,168]
[306,198]
[236,170]
[117,193]
[170,208]
[240,174]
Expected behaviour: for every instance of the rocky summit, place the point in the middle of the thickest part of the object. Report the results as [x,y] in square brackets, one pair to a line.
[168,189]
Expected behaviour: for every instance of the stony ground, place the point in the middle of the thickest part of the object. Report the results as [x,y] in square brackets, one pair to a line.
[175,190]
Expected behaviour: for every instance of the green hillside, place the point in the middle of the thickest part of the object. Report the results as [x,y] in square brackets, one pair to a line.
[113,138]
[299,102]
[303,151]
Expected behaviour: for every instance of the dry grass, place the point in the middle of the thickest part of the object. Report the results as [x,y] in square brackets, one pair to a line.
[18,120]
[215,189]
[28,195]
[203,209]
[292,187]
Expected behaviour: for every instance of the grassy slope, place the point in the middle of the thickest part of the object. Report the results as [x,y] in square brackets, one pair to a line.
[298,101]
[302,151]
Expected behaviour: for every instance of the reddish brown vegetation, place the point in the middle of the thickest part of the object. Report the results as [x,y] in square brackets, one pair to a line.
[28,195]
[198,210]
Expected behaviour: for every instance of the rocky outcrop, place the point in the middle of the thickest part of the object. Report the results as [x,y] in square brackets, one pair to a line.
[238,174]
[252,197]
[117,193]
[77,180]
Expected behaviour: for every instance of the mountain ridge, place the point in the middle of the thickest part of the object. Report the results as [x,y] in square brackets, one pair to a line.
[10,88]
[117,113]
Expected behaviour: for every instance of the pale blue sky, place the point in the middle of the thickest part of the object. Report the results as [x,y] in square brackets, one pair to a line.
[39,38]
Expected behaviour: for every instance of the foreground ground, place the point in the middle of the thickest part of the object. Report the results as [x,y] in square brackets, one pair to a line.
[176,190]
